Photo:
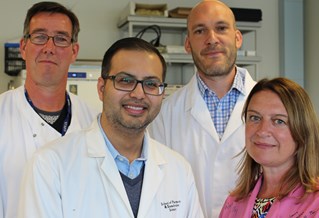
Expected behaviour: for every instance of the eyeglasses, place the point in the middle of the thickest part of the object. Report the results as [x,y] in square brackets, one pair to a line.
[127,83]
[41,39]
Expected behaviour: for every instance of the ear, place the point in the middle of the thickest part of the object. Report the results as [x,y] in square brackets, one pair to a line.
[239,39]
[75,51]
[23,44]
[187,45]
[100,88]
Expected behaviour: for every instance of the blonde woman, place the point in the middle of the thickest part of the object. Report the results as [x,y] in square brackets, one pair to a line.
[280,169]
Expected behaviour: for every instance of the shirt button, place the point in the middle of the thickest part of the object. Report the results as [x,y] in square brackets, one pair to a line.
[34,135]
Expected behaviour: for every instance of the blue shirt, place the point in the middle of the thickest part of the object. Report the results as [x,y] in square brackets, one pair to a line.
[221,109]
[130,170]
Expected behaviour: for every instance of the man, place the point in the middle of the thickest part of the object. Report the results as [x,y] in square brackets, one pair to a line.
[41,110]
[114,169]
[202,120]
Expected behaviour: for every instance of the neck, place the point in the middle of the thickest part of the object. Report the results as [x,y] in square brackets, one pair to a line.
[127,143]
[46,98]
[271,182]
[220,85]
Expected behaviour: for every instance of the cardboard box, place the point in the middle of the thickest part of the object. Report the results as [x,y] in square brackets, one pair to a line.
[142,9]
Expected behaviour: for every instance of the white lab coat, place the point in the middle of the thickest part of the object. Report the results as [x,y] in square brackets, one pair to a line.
[185,124]
[76,176]
[22,132]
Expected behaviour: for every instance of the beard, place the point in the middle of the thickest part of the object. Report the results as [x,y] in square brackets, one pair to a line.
[223,68]
[133,124]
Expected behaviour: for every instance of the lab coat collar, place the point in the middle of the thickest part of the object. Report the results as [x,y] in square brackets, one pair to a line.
[197,106]
[235,120]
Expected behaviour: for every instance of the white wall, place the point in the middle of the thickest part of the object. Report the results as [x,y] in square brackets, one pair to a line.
[311,37]
[98,19]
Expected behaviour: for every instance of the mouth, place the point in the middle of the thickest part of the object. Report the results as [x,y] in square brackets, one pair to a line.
[263,145]
[47,62]
[135,109]
[212,52]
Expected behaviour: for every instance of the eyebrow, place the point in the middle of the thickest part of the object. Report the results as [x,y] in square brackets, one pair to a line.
[131,75]
[221,22]
[280,115]
[39,30]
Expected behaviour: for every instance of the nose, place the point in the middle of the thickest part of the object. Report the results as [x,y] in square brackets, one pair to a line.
[138,92]
[49,46]
[263,129]
[211,37]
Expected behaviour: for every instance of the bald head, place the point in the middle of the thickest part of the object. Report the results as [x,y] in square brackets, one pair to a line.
[210,7]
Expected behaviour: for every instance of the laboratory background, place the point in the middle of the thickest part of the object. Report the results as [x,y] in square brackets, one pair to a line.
[284,42]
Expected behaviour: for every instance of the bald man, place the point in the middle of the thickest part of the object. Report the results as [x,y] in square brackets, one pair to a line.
[202,120]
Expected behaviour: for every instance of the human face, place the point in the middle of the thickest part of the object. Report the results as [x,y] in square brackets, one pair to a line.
[130,111]
[212,39]
[47,65]
[268,138]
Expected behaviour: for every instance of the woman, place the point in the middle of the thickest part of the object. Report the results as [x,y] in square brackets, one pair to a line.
[280,168]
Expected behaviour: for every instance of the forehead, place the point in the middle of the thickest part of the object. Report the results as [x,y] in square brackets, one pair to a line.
[137,61]
[267,101]
[55,22]
[211,12]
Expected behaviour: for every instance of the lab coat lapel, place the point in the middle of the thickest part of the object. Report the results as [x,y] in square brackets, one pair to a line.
[107,166]
[153,177]
[198,109]
[235,120]
[111,176]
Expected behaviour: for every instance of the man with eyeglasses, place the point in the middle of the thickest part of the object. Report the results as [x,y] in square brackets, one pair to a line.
[114,169]
[41,110]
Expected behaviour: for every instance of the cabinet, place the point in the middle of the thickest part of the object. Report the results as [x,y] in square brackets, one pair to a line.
[180,65]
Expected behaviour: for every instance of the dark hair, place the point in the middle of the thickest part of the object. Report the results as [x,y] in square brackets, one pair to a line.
[133,44]
[52,7]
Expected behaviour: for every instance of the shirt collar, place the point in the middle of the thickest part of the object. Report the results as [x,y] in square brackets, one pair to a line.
[115,153]
[239,83]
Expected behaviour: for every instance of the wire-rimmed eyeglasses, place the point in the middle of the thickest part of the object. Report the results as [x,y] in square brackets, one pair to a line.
[42,38]
[124,82]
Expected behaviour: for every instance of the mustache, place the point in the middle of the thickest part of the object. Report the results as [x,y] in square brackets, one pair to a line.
[212,48]
[140,103]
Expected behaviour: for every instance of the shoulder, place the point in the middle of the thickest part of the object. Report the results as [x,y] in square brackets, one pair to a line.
[170,156]
[249,81]
[11,95]
[80,106]
[234,208]
[64,148]
[11,101]
[182,95]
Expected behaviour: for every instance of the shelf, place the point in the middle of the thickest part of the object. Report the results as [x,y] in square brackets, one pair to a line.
[167,22]
[147,20]
[187,58]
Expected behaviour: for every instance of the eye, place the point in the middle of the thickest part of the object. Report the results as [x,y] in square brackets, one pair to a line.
[253,118]
[152,84]
[199,31]
[125,80]
[221,28]
[279,122]
[39,37]
[61,39]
